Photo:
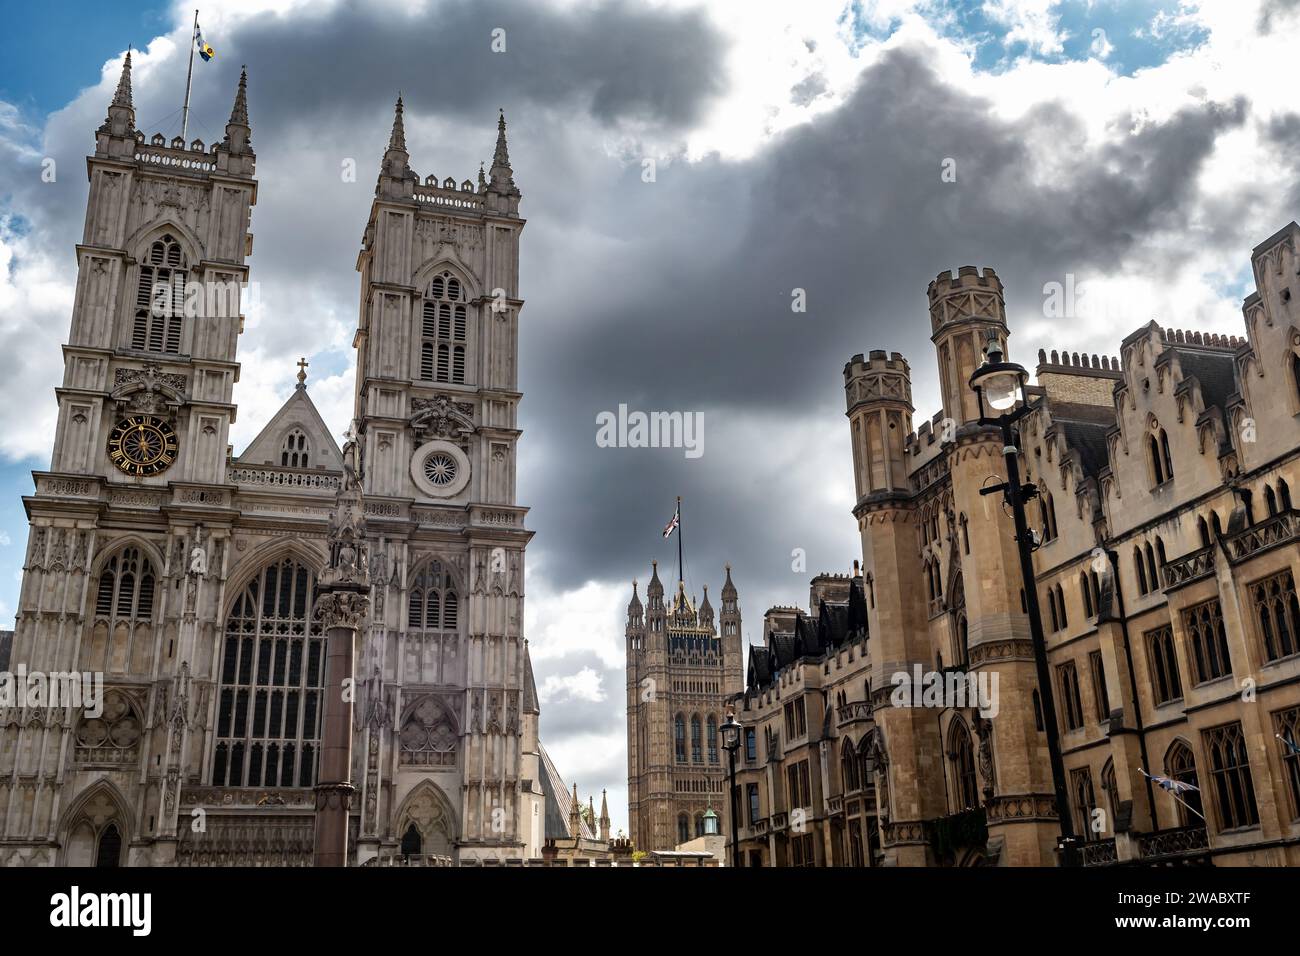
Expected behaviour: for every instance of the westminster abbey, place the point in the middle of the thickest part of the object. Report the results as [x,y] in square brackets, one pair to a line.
[185,574]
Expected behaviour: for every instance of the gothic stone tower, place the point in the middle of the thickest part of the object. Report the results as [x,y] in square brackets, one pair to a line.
[878,392]
[680,673]
[992,636]
[134,508]
[436,412]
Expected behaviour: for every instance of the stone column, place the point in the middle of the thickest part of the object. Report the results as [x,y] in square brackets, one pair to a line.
[341,611]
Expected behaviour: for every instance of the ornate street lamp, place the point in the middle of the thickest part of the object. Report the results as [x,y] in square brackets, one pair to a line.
[731,743]
[1000,386]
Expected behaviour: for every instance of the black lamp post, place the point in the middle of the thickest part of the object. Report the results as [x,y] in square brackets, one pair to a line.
[1001,385]
[731,743]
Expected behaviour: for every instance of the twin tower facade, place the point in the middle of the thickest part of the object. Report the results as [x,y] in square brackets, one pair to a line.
[183,576]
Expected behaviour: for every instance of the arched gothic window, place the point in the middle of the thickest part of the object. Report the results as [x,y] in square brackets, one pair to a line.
[411,842]
[1047,513]
[1283,494]
[849,767]
[1138,563]
[108,853]
[1234,789]
[712,738]
[679,738]
[295,450]
[683,828]
[1111,789]
[1295,374]
[1153,576]
[126,587]
[962,754]
[1086,588]
[1270,500]
[697,746]
[272,682]
[1180,765]
[1203,531]
[1162,463]
[444,331]
[160,298]
[433,603]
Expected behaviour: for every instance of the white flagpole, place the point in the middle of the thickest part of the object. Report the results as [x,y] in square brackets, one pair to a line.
[185,113]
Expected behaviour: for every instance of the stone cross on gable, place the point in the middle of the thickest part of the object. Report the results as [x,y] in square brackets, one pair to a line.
[302,372]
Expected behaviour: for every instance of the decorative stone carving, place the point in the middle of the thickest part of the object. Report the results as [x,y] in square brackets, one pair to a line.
[440,417]
[349,562]
[148,390]
[984,730]
[342,609]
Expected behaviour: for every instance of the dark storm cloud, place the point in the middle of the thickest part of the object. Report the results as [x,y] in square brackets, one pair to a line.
[695,313]
[615,60]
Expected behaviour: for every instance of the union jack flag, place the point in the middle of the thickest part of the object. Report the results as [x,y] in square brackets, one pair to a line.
[672,525]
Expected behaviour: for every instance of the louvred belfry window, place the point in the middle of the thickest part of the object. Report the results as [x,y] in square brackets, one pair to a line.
[160,298]
[433,604]
[444,331]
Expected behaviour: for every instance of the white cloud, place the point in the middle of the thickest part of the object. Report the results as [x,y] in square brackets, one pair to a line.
[583,685]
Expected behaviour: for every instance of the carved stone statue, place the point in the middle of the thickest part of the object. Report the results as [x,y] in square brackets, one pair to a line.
[984,730]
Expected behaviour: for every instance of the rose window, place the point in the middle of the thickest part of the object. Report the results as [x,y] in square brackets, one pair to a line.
[441,469]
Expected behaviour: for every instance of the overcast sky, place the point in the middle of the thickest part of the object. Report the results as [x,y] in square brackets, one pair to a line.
[1142,147]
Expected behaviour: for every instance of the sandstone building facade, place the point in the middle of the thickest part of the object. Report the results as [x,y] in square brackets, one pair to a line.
[185,574]
[1166,576]
[681,669]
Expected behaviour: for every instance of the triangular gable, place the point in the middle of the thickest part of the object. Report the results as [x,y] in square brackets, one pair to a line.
[298,412]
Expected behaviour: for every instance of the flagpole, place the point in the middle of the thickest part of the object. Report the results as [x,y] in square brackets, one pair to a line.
[189,75]
[679,541]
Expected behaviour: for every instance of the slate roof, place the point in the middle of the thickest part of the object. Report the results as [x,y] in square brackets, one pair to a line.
[1215,371]
[559,801]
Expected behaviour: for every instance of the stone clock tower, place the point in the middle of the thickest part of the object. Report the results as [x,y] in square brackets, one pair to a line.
[149,367]
[187,580]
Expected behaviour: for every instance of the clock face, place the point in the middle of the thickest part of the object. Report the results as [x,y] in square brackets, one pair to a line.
[142,445]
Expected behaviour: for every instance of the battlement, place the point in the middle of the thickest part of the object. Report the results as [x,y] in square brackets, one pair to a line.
[1206,340]
[174,154]
[448,193]
[971,294]
[1078,363]
[877,360]
[926,432]
[968,277]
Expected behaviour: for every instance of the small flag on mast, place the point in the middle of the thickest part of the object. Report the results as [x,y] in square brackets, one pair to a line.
[206,52]
[1172,786]
[672,525]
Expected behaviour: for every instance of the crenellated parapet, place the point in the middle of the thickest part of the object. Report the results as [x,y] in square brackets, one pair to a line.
[968,295]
